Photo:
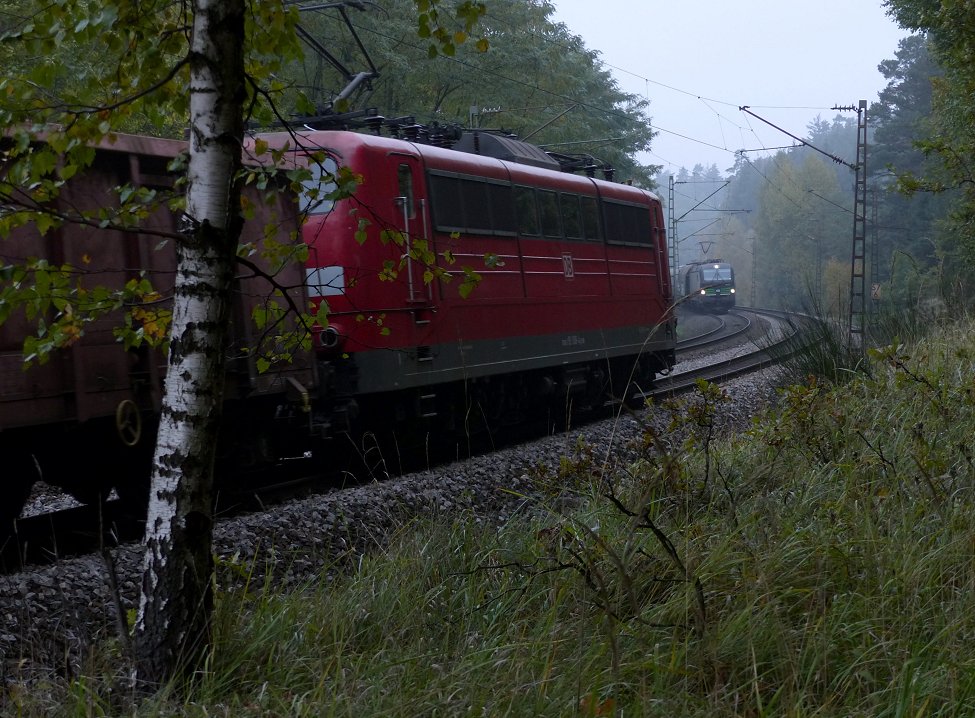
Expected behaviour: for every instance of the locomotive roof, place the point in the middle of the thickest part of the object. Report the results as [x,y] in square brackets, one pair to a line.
[505,148]
[457,159]
[702,262]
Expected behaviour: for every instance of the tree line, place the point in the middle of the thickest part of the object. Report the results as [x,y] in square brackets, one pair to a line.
[786,220]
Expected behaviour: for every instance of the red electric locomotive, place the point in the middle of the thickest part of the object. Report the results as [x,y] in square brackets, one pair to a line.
[573,304]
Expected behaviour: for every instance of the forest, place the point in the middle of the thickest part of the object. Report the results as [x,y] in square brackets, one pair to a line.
[786,221]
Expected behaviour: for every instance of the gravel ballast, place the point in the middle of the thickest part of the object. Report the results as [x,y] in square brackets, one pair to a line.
[53,615]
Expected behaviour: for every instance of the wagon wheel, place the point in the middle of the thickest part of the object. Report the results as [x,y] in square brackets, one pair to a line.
[128,422]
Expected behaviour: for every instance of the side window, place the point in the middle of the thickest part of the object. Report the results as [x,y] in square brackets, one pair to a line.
[404,175]
[590,217]
[613,222]
[639,223]
[315,200]
[471,204]
[446,202]
[502,208]
[477,209]
[571,219]
[626,223]
[548,206]
[526,211]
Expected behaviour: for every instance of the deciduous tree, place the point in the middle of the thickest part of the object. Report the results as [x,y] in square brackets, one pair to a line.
[159,60]
[539,80]
[172,627]
[950,29]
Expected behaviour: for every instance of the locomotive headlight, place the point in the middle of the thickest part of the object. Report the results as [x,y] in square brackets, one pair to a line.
[328,338]
[732,290]
[703,292]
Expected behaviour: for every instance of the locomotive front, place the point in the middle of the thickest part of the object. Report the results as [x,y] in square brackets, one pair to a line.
[709,286]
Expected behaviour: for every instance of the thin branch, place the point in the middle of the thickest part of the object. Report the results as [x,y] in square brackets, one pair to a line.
[80,219]
[275,284]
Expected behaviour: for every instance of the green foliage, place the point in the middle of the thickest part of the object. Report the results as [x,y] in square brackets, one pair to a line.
[59,106]
[949,136]
[469,282]
[282,331]
[60,302]
[570,104]
[147,321]
[96,65]
[443,40]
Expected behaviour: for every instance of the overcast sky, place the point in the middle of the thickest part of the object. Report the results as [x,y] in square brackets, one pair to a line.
[699,60]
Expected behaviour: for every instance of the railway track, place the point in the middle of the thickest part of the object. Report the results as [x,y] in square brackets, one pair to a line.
[49,537]
[779,335]
[708,330]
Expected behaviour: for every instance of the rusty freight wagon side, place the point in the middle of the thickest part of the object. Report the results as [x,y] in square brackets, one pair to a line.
[85,419]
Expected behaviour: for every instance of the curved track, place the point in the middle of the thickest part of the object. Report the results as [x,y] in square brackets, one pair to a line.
[763,350]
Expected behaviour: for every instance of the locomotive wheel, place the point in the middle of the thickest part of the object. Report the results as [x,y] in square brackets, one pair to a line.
[128,422]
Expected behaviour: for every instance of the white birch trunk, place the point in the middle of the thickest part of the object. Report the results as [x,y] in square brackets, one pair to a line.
[173,623]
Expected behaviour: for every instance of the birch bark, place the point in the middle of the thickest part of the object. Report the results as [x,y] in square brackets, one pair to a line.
[172,629]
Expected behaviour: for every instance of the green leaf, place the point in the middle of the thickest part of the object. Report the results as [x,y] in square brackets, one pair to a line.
[259,315]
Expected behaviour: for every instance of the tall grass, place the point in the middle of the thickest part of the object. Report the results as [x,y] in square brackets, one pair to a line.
[819,564]
[824,347]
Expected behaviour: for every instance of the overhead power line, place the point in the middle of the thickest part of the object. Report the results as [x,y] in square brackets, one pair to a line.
[804,143]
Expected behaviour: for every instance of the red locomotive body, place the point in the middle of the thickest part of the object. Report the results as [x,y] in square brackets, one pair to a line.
[573,305]
[574,298]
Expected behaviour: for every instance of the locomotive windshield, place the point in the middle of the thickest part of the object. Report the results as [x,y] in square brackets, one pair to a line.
[318,188]
[715,274]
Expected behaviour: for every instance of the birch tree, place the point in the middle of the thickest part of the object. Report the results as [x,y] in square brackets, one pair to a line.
[172,626]
[146,63]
